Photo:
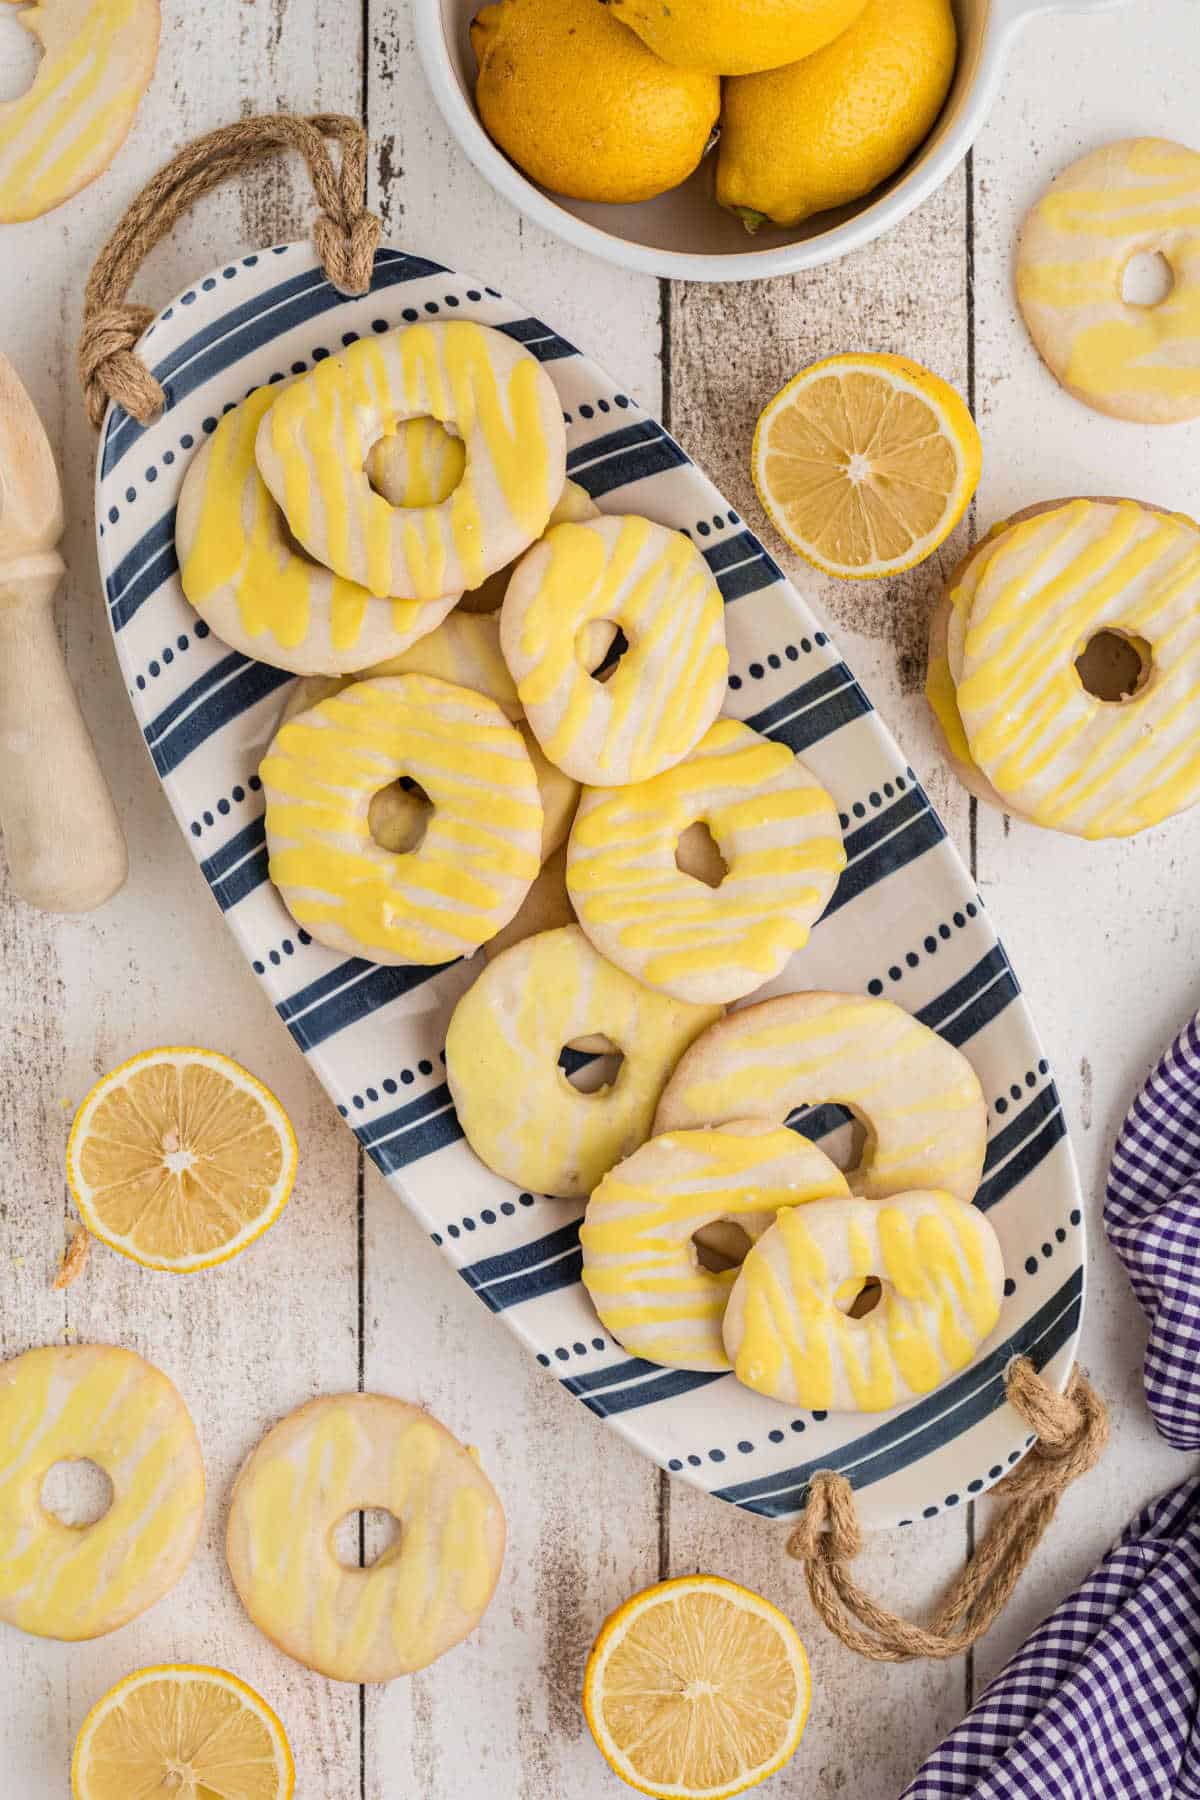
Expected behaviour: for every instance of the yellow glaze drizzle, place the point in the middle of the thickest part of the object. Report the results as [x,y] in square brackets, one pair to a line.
[519,1112]
[777,831]
[668,685]
[241,573]
[422,1595]
[918,1097]
[99,56]
[481,848]
[108,1406]
[1138,195]
[314,446]
[941,1272]
[1052,750]
[640,1263]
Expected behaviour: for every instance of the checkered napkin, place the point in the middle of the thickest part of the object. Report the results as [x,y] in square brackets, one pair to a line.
[1103,1702]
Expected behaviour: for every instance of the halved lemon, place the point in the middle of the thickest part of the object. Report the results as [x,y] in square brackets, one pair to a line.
[180,1728]
[866,464]
[180,1158]
[696,1689]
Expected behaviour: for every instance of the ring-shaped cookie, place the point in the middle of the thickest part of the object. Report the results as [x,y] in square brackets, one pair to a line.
[244,576]
[494,394]
[788,1331]
[482,841]
[518,1111]
[777,831]
[397,816]
[66,129]
[1024,613]
[641,1263]
[917,1097]
[669,684]
[364,1452]
[1138,196]
[94,1403]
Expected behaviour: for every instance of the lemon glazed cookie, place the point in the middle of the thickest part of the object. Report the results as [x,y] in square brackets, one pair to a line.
[789,1329]
[518,1111]
[94,1403]
[918,1097]
[667,687]
[481,845]
[62,133]
[1140,362]
[777,832]
[1047,593]
[641,1250]
[361,1452]
[313,444]
[243,574]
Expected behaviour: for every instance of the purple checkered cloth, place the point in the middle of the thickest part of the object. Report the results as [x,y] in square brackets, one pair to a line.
[1103,1702]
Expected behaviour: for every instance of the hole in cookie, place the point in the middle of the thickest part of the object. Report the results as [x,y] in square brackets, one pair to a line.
[419,463]
[591,1064]
[699,855]
[859,1296]
[76,1492]
[720,1246]
[600,645]
[1114,666]
[845,1141]
[366,1538]
[399,816]
[20,53]
[1147,280]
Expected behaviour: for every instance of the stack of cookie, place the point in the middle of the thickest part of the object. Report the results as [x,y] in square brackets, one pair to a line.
[551,781]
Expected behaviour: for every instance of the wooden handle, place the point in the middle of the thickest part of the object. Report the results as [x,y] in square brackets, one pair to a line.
[66,850]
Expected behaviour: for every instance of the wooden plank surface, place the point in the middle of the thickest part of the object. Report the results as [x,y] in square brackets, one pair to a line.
[347,1291]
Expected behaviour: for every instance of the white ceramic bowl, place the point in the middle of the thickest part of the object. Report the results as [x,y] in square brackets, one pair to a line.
[685,235]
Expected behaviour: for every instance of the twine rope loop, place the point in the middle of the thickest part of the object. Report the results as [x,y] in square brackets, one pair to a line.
[345,235]
[1071,1432]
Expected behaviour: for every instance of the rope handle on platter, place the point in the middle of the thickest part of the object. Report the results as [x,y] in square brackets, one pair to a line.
[1071,1430]
[345,235]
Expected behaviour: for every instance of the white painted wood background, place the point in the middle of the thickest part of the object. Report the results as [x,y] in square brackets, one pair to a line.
[347,1291]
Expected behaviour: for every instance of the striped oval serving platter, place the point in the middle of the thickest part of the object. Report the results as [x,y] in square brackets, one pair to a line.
[905,920]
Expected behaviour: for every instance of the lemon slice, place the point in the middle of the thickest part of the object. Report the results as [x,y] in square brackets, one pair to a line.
[696,1688]
[182,1729]
[866,464]
[180,1158]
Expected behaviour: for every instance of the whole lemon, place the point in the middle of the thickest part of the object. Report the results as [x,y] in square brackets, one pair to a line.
[730,38]
[582,106]
[827,130]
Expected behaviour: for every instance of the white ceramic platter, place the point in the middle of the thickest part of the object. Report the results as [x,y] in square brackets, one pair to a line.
[905,921]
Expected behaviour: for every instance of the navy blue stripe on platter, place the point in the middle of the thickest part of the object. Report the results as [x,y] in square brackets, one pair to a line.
[1036,1144]
[814,710]
[974,1000]
[667,1385]
[552,1262]
[348,993]
[741,566]
[930,1423]
[231,687]
[411,1131]
[142,571]
[235,333]
[538,339]
[619,457]
[895,837]
[239,866]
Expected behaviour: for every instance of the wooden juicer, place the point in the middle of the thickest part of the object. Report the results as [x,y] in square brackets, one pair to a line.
[66,850]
